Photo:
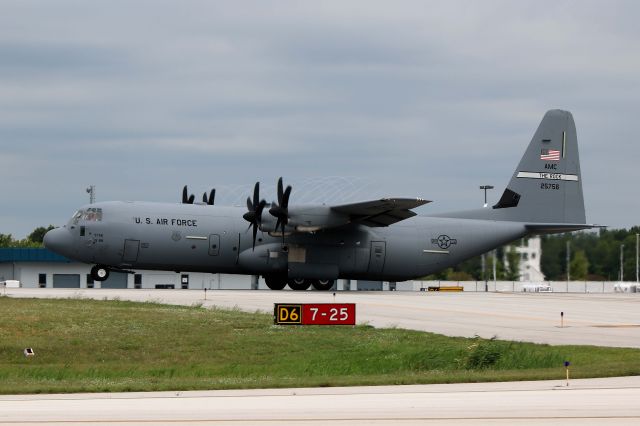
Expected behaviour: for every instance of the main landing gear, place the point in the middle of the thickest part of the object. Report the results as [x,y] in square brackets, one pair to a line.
[323,285]
[275,282]
[99,273]
[299,284]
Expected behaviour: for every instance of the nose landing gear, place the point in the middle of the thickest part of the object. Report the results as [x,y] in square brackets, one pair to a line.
[99,272]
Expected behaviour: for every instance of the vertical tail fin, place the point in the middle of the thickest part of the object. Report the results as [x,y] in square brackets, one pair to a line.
[546,187]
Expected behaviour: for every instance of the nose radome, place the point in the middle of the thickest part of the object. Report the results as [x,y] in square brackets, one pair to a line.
[58,240]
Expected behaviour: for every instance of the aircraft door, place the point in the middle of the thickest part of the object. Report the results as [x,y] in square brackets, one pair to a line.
[376,257]
[130,253]
[214,244]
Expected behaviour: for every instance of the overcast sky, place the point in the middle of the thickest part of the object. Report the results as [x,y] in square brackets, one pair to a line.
[395,98]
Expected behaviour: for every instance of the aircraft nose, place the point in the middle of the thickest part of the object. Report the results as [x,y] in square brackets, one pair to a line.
[58,240]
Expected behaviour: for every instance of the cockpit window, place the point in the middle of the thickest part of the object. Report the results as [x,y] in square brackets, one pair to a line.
[92,214]
[76,217]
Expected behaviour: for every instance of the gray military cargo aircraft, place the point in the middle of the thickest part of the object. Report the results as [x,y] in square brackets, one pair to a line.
[313,245]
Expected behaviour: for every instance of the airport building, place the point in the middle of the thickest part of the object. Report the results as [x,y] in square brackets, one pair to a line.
[530,253]
[41,268]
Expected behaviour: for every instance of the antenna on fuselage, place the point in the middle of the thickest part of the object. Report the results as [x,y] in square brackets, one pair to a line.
[91,190]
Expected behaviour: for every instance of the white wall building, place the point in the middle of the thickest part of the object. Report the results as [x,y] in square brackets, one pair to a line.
[41,268]
[530,254]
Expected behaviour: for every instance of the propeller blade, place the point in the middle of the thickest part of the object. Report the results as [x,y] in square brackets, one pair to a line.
[285,199]
[204,198]
[259,212]
[254,212]
[281,210]
[191,199]
[255,234]
[256,195]
[185,195]
[280,191]
[212,197]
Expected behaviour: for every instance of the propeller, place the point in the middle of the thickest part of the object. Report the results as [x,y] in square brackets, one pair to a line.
[186,198]
[211,199]
[281,210]
[254,213]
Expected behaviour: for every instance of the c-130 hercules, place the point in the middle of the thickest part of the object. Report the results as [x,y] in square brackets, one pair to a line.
[313,245]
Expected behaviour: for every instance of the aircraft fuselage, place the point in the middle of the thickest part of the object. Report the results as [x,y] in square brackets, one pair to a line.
[203,238]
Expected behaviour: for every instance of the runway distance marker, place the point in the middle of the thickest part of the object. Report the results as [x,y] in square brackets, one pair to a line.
[314,313]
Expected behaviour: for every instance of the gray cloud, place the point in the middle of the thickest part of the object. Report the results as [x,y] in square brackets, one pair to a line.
[415,98]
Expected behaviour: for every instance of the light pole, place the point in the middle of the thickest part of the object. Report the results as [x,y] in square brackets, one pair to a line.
[485,187]
[637,246]
[484,276]
[494,266]
[621,263]
[568,261]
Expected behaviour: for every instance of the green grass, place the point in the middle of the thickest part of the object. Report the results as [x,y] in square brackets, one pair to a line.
[96,346]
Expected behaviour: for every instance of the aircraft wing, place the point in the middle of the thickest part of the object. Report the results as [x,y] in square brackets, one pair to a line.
[383,212]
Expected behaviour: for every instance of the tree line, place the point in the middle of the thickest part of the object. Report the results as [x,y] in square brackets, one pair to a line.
[593,256]
[34,239]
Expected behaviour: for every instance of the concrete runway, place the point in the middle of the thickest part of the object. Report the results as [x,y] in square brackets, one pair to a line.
[605,320]
[585,402]
[589,319]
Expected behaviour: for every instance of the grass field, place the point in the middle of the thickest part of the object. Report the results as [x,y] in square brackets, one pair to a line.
[96,346]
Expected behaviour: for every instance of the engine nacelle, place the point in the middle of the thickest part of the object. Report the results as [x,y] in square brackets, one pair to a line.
[305,219]
[264,259]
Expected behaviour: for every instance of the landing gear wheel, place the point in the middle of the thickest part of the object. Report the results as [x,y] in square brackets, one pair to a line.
[323,285]
[299,284]
[275,282]
[99,273]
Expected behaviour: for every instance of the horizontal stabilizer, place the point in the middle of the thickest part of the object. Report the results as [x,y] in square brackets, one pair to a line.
[557,228]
